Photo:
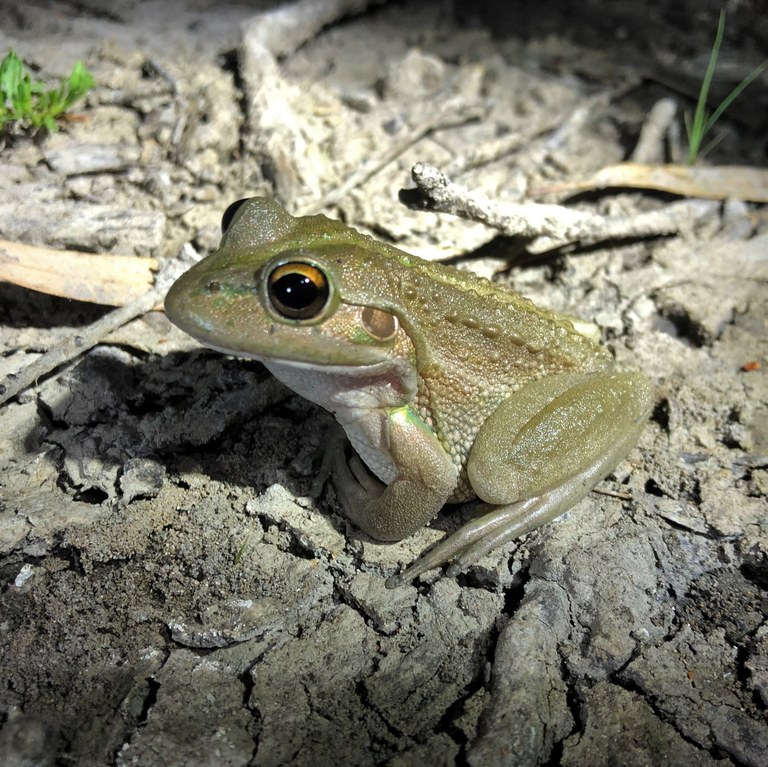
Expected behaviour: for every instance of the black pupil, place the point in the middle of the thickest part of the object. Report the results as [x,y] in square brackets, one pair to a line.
[298,290]
[295,291]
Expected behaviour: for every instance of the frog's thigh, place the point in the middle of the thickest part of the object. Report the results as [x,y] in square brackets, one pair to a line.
[556,428]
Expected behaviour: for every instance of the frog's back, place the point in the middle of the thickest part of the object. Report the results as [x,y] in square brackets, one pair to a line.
[457,318]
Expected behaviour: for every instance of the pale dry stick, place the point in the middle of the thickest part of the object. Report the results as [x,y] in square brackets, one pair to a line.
[94,333]
[613,494]
[577,120]
[549,226]
[283,30]
[650,143]
[274,129]
[495,149]
[69,273]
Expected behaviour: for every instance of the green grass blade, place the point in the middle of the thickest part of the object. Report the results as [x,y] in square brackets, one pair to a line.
[701,123]
[734,94]
[696,134]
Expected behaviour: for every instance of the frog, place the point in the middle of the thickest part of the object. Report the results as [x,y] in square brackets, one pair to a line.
[449,386]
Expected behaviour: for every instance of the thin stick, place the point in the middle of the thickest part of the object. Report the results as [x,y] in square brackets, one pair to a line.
[440,113]
[88,337]
[547,226]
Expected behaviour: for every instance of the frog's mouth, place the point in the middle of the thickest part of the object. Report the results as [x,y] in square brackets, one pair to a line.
[332,354]
[240,329]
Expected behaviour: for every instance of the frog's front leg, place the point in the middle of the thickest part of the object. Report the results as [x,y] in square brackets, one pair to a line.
[423,474]
[542,450]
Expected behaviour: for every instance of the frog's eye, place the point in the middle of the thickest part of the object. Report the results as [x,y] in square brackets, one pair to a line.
[229,214]
[298,291]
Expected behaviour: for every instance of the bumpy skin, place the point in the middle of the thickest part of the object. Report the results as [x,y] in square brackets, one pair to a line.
[449,386]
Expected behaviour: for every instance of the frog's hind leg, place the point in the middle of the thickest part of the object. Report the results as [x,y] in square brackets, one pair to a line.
[542,451]
[499,526]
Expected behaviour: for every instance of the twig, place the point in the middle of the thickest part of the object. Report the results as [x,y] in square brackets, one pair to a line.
[283,30]
[273,128]
[547,226]
[579,117]
[69,273]
[495,149]
[87,338]
[539,140]
[613,494]
[274,125]
[440,111]
[650,144]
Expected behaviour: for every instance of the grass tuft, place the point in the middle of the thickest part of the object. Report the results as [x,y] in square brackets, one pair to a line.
[703,123]
[31,105]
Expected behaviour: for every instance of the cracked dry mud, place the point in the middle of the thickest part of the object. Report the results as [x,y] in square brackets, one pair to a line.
[171,592]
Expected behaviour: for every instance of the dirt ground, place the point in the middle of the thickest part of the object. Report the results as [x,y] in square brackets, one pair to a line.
[172,594]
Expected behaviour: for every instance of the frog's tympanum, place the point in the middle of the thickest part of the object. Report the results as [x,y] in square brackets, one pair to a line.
[449,386]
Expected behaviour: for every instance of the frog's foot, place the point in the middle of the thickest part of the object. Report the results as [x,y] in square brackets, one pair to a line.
[355,485]
[499,526]
[328,455]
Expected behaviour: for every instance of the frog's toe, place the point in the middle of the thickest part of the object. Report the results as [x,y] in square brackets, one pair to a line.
[327,454]
[354,483]
[364,478]
[473,541]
